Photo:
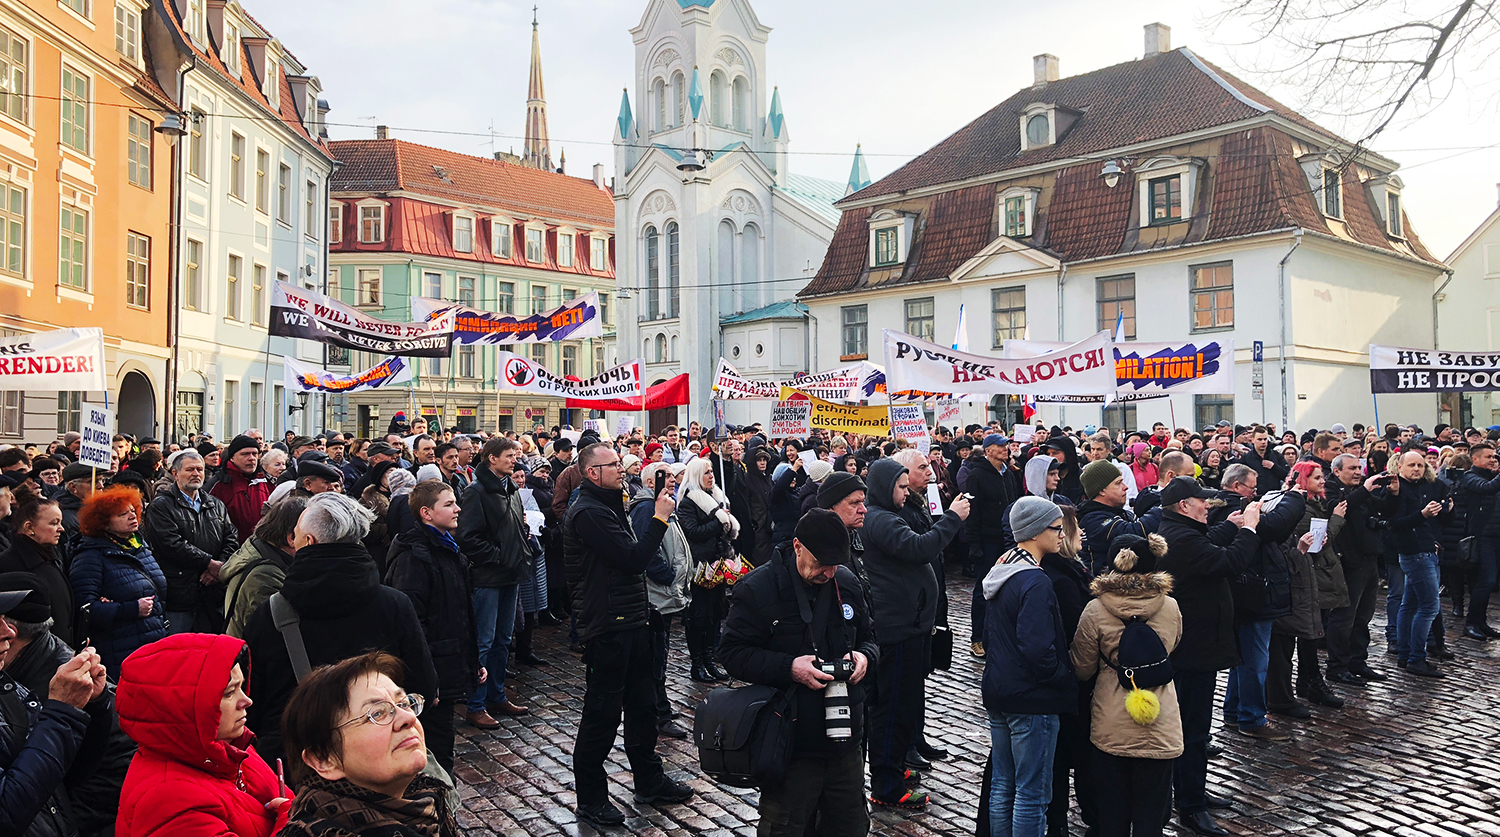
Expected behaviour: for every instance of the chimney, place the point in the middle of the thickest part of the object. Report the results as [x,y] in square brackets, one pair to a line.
[381,132]
[1044,67]
[599,175]
[1158,39]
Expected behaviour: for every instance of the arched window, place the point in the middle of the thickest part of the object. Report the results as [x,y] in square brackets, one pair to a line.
[729,296]
[646,347]
[675,356]
[674,267]
[750,279]
[679,100]
[661,348]
[718,93]
[741,104]
[659,95]
[653,273]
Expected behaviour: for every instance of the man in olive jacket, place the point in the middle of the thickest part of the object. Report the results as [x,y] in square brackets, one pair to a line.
[492,535]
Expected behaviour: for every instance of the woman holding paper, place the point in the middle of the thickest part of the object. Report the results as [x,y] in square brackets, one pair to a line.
[1317,586]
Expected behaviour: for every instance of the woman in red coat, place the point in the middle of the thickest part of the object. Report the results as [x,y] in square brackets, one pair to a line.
[182,700]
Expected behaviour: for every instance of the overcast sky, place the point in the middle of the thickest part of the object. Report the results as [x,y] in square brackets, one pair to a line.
[895,76]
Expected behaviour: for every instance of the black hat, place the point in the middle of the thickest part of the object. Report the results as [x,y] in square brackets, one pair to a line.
[206,448]
[313,468]
[23,597]
[77,471]
[823,534]
[8,481]
[1135,554]
[43,463]
[379,448]
[1182,488]
[238,444]
[836,486]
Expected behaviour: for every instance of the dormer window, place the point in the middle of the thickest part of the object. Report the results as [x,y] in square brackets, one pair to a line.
[1332,193]
[1167,186]
[1165,194]
[500,231]
[231,51]
[1043,124]
[1393,214]
[1390,205]
[1038,130]
[463,233]
[890,236]
[273,80]
[1017,210]
[1325,181]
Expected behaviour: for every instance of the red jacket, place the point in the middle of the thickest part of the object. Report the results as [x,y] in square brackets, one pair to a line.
[184,782]
[245,496]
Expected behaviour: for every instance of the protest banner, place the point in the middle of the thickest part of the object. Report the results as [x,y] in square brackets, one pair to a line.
[97,431]
[309,315]
[832,385]
[840,418]
[909,422]
[624,424]
[599,426]
[791,418]
[948,412]
[576,319]
[520,374]
[305,377]
[69,359]
[1394,369]
[1146,371]
[919,369]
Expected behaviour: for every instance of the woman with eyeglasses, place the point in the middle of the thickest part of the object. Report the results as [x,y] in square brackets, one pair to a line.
[182,700]
[356,752]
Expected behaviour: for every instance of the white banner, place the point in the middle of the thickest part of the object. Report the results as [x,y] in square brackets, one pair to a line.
[1394,369]
[791,418]
[910,423]
[832,385]
[576,319]
[624,424]
[921,369]
[297,312]
[53,361]
[519,374]
[948,411]
[305,377]
[1144,371]
[97,431]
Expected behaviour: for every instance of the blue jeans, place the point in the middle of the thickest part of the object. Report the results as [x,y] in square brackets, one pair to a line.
[180,621]
[1419,606]
[495,622]
[1245,696]
[1022,748]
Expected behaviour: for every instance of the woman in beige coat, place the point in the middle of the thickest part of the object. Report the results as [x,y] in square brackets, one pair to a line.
[1133,768]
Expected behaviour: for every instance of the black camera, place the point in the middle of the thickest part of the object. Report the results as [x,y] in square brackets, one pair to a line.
[837,669]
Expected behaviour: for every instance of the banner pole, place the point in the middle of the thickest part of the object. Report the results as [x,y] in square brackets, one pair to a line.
[1375,398]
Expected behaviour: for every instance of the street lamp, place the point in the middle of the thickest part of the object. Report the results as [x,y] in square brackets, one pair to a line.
[172,127]
[1111,174]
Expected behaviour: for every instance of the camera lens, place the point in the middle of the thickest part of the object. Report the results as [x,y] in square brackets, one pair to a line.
[836,718]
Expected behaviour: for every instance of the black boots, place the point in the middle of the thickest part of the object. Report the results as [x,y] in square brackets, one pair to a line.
[700,642]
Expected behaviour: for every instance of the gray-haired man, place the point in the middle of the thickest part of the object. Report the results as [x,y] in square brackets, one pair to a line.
[191,537]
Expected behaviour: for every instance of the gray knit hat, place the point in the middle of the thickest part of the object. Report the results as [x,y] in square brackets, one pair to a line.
[1030,515]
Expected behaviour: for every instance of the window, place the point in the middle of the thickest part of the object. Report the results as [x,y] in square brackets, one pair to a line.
[598,359]
[1038,131]
[741,104]
[231,407]
[432,285]
[463,234]
[192,277]
[466,294]
[73,248]
[856,324]
[887,246]
[262,188]
[597,248]
[13,65]
[231,51]
[500,232]
[538,298]
[1166,199]
[1015,216]
[919,318]
[1213,297]
[80,6]
[11,410]
[258,295]
[564,249]
[569,360]
[466,361]
[539,354]
[257,397]
[506,301]
[371,224]
[1209,410]
[335,223]
[1332,193]
[334,287]
[569,294]
[1120,416]
[674,266]
[273,81]
[604,309]
[653,273]
[535,249]
[127,32]
[75,110]
[369,286]
[284,194]
[137,270]
[278,410]
[197,145]
[236,166]
[69,412]
[234,293]
[194,19]
[13,230]
[1393,214]
[1009,306]
[1116,295]
[310,211]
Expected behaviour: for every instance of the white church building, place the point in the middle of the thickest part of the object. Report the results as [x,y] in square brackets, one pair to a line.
[715,234]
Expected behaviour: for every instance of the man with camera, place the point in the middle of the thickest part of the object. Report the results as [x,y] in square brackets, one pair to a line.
[801,619]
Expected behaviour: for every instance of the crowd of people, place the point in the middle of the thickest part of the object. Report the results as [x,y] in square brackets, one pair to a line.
[241,637]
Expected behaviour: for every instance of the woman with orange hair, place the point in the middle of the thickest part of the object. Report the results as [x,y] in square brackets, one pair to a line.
[115,578]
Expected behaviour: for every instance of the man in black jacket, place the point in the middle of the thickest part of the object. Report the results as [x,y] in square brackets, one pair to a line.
[1360,547]
[806,584]
[606,567]
[426,565]
[994,482]
[191,537]
[1269,466]
[1201,572]
[492,534]
[1481,484]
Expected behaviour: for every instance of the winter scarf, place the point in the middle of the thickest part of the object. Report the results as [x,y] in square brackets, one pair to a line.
[326,808]
[715,504]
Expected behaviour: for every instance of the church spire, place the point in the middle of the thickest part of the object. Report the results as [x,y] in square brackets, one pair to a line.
[537,154]
[859,173]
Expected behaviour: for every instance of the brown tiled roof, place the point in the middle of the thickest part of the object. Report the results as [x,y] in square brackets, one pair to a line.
[845,265]
[391,165]
[959,224]
[1087,218]
[1149,99]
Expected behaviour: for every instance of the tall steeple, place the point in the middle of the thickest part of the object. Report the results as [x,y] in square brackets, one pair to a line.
[537,154]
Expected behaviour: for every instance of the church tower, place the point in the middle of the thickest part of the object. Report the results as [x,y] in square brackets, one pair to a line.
[537,153]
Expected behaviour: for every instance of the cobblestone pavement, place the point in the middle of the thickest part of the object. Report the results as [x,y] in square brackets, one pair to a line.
[1408,757]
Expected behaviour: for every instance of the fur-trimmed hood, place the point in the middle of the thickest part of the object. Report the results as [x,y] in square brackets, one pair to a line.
[1132,594]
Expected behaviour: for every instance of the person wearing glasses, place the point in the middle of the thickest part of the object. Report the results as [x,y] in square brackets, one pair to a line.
[606,568]
[182,700]
[355,755]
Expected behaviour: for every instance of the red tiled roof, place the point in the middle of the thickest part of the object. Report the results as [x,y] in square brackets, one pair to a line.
[1152,98]
[959,224]
[846,264]
[391,165]
[1085,217]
